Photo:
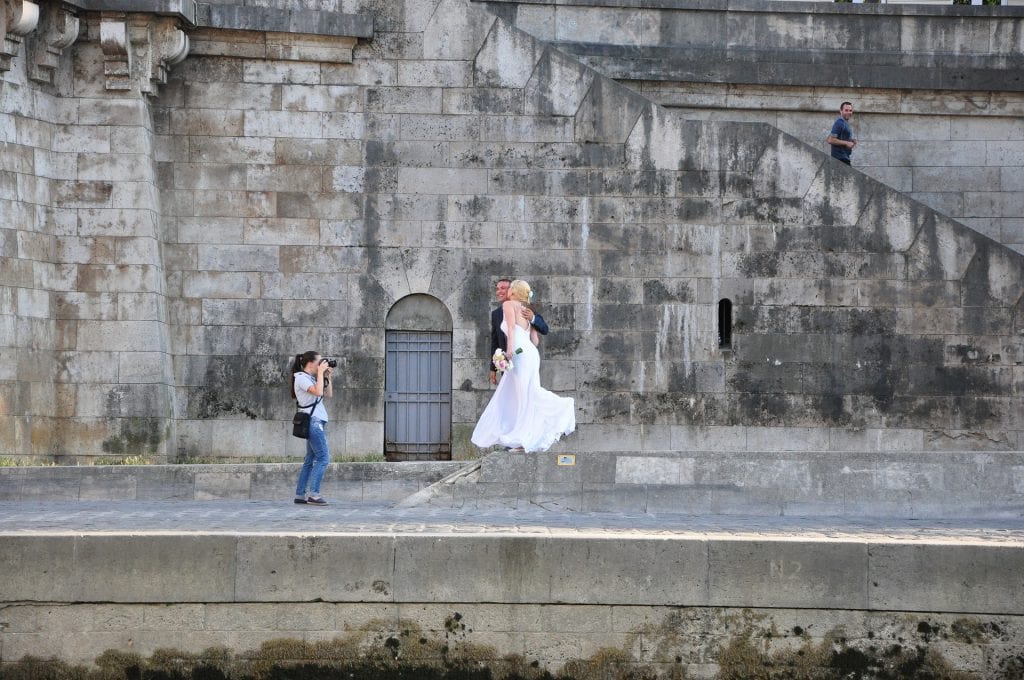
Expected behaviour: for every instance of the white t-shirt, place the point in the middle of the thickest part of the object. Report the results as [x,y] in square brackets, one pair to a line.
[303,381]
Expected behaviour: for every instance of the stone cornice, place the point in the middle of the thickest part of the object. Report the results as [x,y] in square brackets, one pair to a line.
[18,18]
[141,39]
[307,22]
[185,10]
[782,6]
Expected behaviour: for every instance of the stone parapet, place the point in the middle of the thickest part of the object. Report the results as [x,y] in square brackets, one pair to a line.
[575,567]
[787,43]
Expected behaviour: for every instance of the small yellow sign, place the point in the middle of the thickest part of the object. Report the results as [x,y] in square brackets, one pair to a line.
[566,459]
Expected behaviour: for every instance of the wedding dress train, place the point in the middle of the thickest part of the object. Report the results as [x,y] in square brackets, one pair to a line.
[521,413]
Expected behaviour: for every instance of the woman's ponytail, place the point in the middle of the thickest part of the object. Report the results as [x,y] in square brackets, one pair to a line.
[298,364]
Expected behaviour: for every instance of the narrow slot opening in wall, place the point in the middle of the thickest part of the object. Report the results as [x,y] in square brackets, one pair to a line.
[725,324]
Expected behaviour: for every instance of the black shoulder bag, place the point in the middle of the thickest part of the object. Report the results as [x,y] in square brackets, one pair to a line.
[300,423]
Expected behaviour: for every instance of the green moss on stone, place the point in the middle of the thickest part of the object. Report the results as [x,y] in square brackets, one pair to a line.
[754,649]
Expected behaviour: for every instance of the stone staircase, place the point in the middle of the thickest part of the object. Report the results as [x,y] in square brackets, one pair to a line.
[904,485]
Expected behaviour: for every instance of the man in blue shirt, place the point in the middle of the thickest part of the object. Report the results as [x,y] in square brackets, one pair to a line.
[841,137]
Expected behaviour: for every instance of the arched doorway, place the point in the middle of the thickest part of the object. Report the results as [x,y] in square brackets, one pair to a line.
[418,380]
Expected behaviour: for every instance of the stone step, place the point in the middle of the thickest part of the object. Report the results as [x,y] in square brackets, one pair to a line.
[349,482]
[897,484]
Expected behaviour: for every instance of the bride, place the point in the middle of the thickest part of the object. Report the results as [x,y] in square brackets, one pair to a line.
[521,413]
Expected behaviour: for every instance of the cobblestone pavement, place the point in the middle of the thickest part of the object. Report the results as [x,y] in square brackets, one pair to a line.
[261,517]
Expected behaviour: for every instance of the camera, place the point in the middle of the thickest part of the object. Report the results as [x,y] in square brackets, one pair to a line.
[331,363]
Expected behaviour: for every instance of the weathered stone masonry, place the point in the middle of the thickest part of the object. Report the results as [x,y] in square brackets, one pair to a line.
[937,92]
[167,245]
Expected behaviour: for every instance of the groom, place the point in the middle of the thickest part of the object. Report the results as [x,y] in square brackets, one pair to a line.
[499,339]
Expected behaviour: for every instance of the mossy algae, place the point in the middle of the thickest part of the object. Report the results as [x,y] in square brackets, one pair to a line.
[754,649]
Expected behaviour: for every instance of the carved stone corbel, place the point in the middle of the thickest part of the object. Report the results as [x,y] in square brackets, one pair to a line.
[117,57]
[158,43]
[18,18]
[58,29]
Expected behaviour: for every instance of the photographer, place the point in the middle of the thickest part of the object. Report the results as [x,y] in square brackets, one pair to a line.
[310,384]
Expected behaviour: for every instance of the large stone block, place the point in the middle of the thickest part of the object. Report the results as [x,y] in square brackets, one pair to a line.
[404,99]
[767,574]
[608,113]
[965,578]
[507,57]
[204,96]
[442,181]
[942,250]
[241,312]
[141,566]
[207,121]
[238,258]
[526,129]
[121,336]
[304,569]
[455,31]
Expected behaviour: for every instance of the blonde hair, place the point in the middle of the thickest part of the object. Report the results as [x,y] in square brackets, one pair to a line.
[519,290]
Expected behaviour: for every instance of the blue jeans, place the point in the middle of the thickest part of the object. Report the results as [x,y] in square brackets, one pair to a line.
[317,458]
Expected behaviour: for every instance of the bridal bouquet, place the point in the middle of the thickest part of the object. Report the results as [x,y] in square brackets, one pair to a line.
[503,363]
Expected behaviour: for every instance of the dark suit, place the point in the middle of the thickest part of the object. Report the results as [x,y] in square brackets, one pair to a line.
[499,339]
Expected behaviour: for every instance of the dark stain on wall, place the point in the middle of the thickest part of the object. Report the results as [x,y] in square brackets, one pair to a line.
[137,436]
[741,645]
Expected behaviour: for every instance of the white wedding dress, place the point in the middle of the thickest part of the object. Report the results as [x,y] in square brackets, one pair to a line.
[521,413]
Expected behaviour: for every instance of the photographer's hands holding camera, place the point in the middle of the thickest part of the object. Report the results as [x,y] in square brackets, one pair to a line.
[322,369]
[323,375]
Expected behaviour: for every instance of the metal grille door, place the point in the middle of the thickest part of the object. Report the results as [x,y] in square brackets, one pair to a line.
[418,396]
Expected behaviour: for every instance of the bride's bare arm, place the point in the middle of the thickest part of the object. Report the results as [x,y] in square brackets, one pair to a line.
[534,336]
[511,314]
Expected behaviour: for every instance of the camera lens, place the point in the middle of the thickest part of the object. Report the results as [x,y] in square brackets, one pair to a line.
[332,363]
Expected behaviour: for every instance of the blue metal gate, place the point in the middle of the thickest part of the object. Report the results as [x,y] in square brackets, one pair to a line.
[418,395]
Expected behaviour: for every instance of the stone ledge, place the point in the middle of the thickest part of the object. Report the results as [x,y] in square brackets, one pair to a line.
[580,567]
[782,67]
[781,6]
[267,19]
[351,482]
[768,42]
[183,9]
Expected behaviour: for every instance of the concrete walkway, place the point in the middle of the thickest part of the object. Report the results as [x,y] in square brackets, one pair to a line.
[283,517]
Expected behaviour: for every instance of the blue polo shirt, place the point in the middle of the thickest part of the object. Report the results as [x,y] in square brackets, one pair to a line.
[841,130]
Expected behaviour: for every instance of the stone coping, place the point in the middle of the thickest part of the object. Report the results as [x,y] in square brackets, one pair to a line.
[767,42]
[308,22]
[787,6]
[682,568]
[184,9]
[242,17]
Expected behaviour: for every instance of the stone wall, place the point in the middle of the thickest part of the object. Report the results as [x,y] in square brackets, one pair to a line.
[936,89]
[584,642]
[602,601]
[964,165]
[86,357]
[281,192]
